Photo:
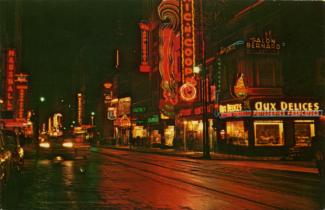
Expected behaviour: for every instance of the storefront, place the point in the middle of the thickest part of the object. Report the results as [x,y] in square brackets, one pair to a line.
[269,126]
[192,128]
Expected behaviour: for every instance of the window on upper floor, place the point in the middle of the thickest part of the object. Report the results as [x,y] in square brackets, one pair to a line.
[267,73]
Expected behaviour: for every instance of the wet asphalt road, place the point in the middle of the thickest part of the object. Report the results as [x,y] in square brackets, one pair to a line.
[113,179]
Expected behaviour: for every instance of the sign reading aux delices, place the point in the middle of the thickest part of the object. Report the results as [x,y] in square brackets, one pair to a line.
[286,106]
[271,109]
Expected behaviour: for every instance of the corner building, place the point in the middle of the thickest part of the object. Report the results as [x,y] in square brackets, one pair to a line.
[261,108]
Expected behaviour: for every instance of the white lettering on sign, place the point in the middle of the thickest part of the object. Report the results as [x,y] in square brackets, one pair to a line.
[230,108]
[286,106]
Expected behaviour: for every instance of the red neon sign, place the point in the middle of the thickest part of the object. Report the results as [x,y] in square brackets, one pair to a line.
[10,71]
[144,67]
[21,100]
[188,44]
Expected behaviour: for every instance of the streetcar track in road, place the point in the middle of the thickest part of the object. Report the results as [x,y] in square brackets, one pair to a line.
[120,161]
[238,178]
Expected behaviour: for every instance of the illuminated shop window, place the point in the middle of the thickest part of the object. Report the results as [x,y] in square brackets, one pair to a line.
[268,133]
[169,135]
[304,131]
[139,131]
[236,133]
[155,137]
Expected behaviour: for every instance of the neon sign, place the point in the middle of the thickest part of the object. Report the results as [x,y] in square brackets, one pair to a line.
[80,108]
[266,43]
[286,106]
[21,81]
[144,67]
[230,108]
[188,92]
[272,109]
[188,46]
[10,70]
[240,89]
[169,42]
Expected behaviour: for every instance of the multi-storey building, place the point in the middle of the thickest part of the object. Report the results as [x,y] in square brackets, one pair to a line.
[259,60]
[264,70]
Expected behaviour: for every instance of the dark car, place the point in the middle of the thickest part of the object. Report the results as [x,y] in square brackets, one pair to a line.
[12,143]
[67,146]
[5,165]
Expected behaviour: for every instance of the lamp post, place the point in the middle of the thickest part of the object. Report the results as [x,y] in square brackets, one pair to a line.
[92,116]
[206,143]
[37,122]
[185,127]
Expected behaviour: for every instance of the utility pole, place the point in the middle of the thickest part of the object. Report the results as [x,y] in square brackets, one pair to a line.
[206,143]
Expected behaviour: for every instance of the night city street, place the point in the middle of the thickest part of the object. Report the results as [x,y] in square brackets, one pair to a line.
[114,179]
[162,104]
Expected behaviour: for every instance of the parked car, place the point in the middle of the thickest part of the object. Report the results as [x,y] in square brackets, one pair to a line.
[5,164]
[67,146]
[13,144]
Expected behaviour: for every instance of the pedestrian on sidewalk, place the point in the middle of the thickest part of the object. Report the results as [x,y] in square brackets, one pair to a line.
[131,143]
[318,148]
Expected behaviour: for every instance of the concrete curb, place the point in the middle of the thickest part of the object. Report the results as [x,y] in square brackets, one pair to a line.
[195,155]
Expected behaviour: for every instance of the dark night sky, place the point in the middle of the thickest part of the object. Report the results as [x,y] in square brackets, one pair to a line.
[66,39]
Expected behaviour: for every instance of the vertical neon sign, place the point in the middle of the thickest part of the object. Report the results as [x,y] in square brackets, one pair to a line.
[10,71]
[188,89]
[169,41]
[21,81]
[80,108]
[144,67]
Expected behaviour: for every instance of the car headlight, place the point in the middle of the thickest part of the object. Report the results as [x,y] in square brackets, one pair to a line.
[21,152]
[67,144]
[45,145]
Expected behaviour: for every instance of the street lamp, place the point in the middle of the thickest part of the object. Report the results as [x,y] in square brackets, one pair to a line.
[92,116]
[206,144]
[37,122]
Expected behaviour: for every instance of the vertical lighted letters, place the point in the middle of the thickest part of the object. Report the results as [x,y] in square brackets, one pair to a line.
[10,71]
[144,67]
[21,87]
[80,108]
[188,50]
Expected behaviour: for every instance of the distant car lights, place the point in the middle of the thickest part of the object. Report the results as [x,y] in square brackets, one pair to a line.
[67,144]
[44,145]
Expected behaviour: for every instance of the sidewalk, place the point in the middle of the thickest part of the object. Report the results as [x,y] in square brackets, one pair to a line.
[274,163]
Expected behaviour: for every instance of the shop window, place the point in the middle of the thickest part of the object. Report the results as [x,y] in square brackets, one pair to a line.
[169,135]
[236,133]
[268,133]
[155,137]
[304,131]
[139,131]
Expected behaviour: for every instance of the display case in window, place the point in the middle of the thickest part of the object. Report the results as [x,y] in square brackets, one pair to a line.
[236,133]
[268,133]
[304,131]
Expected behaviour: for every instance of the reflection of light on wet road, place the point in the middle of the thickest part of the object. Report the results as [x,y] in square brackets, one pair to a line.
[44,162]
[68,172]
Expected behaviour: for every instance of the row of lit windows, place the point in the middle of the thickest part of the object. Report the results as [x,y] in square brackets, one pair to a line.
[269,133]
